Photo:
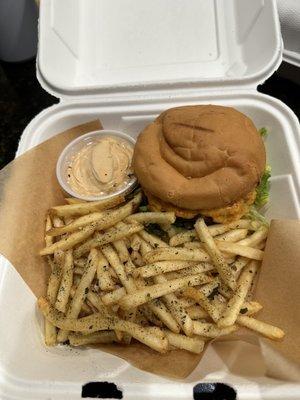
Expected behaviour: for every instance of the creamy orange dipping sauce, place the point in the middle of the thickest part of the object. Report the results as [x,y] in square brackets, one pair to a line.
[101,167]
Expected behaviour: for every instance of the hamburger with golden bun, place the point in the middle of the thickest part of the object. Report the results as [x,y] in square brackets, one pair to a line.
[203,159]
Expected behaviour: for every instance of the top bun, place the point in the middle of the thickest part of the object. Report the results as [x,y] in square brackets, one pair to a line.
[200,157]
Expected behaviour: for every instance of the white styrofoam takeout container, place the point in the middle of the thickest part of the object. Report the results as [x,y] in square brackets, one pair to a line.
[124,62]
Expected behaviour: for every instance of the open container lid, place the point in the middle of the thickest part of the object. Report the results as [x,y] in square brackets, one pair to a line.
[136,47]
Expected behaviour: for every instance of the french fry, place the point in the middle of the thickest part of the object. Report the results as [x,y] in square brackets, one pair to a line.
[219,229]
[222,289]
[182,237]
[204,302]
[238,265]
[257,237]
[232,236]
[146,294]
[214,230]
[179,313]
[69,242]
[214,253]
[129,316]
[261,245]
[234,305]
[210,287]
[161,267]
[211,330]
[81,292]
[76,280]
[125,279]
[80,222]
[241,250]
[152,217]
[84,208]
[90,305]
[207,289]
[55,276]
[153,240]
[50,334]
[176,309]
[193,245]
[196,312]
[219,302]
[114,296]
[175,274]
[57,222]
[267,330]
[111,235]
[127,242]
[229,258]
[192,344]
[130,268]
[135,242]
[52,289]
[80,262]
[96,301]
[78,271]
[197,245]
[68,220]
[149,315]
[48,239]
[250,307]
[184,301]
[99,220]
[176,254]
[157,331]
[105,279]
[122,250]
[145,248]
[137,259]
[85,308]
[160,310]
[66,282]
[193,270]
[78,339]
[144,335]
[118,267]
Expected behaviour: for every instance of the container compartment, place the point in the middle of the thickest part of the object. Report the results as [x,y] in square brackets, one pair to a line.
[32,371]
[111,47]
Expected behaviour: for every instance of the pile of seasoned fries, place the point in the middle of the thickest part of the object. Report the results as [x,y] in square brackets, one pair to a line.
[113,281]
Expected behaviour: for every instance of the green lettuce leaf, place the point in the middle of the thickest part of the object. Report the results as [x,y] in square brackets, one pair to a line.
[263,132]
[262,190]
[254,215]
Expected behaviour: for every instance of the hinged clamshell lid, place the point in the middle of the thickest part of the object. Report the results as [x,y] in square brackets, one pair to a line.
[140,47]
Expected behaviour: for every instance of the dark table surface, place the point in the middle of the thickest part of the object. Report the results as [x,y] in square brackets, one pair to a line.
[21,98]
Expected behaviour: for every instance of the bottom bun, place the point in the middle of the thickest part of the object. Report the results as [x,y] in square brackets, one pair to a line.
[223,215]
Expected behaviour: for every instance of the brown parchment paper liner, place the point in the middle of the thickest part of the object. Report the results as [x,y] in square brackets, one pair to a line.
[28,188]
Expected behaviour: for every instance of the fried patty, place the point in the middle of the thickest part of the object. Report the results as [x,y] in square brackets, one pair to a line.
[222,215]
